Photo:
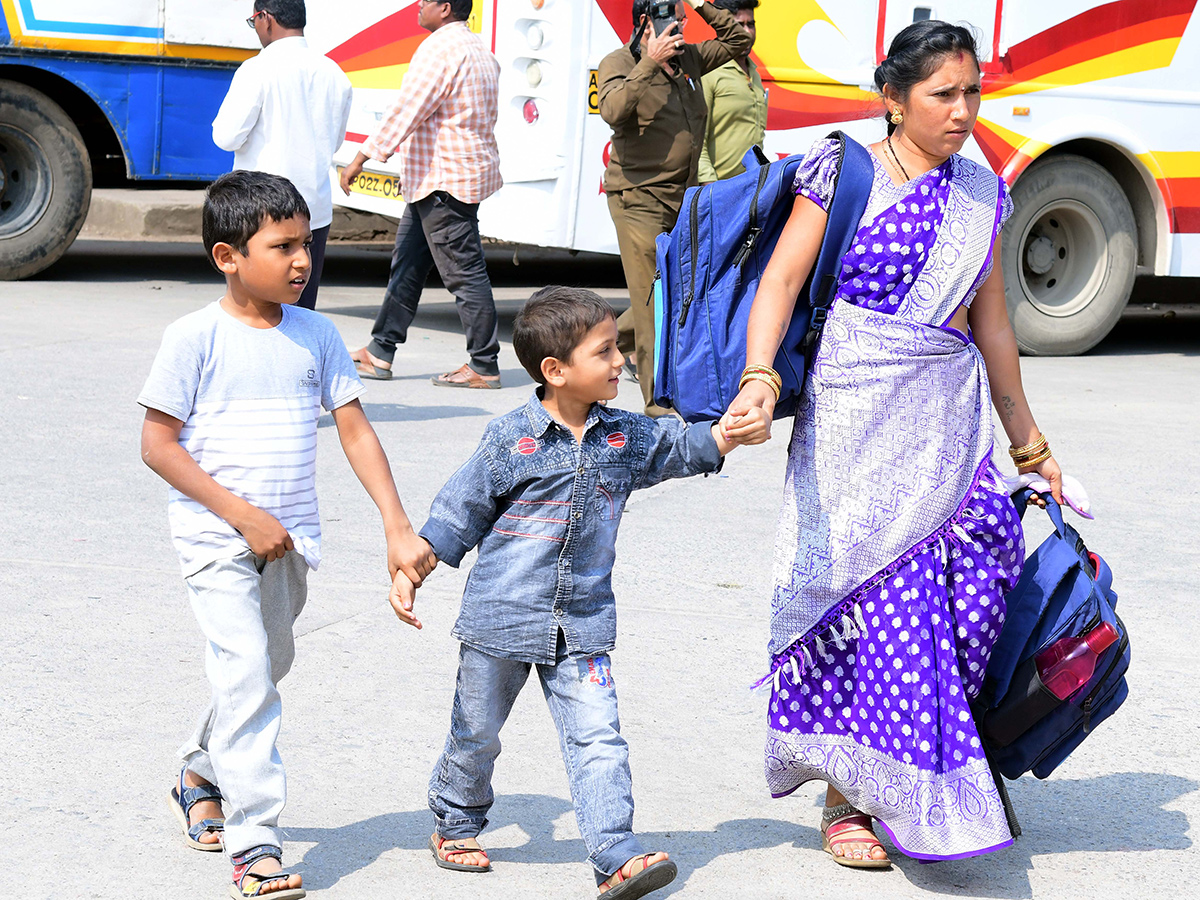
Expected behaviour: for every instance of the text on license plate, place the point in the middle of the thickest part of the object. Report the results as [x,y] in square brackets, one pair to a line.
[386,186]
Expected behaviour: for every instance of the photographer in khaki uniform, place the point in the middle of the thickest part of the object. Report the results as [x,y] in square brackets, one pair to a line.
[655,105]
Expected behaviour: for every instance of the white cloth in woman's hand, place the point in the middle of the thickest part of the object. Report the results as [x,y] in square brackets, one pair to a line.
[1072,490]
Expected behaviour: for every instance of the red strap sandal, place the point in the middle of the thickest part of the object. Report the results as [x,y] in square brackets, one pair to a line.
[846,825]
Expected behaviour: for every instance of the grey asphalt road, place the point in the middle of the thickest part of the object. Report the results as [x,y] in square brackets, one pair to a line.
[101,662]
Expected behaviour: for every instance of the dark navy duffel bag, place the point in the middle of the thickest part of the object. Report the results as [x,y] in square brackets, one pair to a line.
[1065,590]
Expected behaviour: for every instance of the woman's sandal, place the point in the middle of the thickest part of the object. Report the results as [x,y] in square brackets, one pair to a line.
[846,820]
[181,801]
[249,884]
[445,850]
[639,884]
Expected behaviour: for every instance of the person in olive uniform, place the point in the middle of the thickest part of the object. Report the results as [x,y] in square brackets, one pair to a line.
[656,108]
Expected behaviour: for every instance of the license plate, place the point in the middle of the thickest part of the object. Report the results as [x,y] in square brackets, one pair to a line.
[386,186]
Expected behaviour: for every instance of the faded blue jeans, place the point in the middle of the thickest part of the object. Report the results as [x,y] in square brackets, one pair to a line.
[583,701]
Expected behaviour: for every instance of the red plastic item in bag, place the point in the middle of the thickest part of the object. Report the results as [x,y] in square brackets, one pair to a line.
[1068,664]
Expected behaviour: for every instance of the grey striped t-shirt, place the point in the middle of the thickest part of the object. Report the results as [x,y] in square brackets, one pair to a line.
[249,399]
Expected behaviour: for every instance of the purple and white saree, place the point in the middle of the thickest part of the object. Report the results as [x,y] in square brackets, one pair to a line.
[897,541]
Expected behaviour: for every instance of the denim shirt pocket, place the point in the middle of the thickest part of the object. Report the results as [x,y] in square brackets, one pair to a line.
[544,520]
[612,490]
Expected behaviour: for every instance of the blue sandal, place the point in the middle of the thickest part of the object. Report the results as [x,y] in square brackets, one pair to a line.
[247,884]
[182,799]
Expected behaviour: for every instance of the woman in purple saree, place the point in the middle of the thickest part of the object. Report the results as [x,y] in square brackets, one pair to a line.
[897,541]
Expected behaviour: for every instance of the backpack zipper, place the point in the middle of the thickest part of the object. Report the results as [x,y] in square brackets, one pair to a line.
[693,222]
[1089,701]
[747,247]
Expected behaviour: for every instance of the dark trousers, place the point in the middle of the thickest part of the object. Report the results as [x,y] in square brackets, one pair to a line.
[316,250]
[640,216]
[443,231]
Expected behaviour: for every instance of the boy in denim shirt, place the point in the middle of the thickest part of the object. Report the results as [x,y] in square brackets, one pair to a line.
[542,497]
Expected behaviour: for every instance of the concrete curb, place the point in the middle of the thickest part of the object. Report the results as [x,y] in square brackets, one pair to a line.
[171,214]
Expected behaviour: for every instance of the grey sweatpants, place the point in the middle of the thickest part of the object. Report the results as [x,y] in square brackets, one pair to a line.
[245,607]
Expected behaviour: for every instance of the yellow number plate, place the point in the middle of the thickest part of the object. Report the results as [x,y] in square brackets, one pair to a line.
[386,186]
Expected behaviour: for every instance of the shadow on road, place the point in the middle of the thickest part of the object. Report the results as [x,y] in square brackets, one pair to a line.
[1115,813]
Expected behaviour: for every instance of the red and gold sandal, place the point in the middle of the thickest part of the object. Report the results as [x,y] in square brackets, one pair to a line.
[846,825]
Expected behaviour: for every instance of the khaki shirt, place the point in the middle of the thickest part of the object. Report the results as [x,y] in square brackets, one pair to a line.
[737,119]
[658,119]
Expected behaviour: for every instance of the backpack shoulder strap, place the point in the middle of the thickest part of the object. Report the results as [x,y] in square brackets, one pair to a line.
[852,188]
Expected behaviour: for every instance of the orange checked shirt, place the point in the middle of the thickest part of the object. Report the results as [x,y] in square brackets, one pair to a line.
[444,118]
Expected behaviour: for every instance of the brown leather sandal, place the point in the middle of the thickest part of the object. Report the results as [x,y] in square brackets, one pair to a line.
[470,379]
[364,364]
[837,824]
[444,851]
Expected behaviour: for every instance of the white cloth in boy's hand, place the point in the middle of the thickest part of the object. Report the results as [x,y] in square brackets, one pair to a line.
[1072,490]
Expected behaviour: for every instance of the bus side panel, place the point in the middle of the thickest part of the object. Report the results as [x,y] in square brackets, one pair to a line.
[191,98]
[129,95]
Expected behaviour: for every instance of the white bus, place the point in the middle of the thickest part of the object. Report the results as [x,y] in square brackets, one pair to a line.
[1090,111]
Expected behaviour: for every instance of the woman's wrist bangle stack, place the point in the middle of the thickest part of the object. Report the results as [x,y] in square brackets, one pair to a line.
[1032,454]
[765,374]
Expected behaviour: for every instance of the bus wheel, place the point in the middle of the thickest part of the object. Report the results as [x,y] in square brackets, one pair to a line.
[45,181]
[1069,256]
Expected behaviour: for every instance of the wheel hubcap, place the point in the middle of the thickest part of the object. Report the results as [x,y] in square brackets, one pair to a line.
[26,182]
[1064,258]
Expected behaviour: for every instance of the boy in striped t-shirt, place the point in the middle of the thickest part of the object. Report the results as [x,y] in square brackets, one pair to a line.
[232,403]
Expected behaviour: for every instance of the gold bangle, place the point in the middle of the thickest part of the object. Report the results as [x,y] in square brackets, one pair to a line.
[759,376]
[757,368]
[1035,460]
[1031,447]
[764,370]
[1037,451]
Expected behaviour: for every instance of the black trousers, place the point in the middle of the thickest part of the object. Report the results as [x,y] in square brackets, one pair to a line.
[443,231]
[308,299]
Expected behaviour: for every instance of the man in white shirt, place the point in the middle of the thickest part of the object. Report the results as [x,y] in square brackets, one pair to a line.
[286,113]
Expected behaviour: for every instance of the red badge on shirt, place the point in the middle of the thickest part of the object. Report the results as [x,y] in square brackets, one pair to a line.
[527,445]
[616,440]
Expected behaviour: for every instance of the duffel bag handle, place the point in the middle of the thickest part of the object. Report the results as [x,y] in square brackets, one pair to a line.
[1053,510]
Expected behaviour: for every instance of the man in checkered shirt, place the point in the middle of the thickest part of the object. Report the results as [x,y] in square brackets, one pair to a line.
[442,125]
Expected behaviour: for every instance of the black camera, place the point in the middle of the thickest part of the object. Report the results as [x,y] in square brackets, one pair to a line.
[662,15]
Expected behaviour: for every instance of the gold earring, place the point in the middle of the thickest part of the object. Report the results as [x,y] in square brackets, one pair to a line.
[897,117]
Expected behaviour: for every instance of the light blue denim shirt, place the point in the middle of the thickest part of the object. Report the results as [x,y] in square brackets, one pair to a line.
[544,511]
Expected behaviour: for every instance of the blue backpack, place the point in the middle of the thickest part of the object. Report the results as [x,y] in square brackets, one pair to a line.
[1064,590]
[709,267]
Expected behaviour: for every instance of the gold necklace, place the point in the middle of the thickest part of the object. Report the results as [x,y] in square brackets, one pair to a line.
[899,164]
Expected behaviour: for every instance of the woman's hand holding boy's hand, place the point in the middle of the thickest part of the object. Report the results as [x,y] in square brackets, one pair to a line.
[753,426]
[411,554]
[264,533]
[748,419]
[402,597]
[754,394]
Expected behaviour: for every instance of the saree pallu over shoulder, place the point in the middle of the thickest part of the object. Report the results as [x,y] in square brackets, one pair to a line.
[892,435]
[962,254]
